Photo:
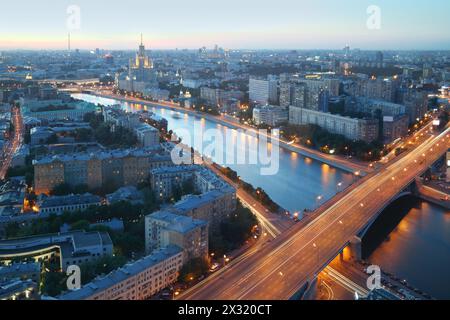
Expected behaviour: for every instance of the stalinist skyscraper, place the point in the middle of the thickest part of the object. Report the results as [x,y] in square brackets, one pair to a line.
[141,74]
[141,68]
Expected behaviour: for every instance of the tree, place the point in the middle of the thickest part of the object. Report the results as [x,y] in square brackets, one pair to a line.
[53,281]
[52,139]
[193,269]
[233,232]
[103,265]
[80,225]
[62,189]
[94,119]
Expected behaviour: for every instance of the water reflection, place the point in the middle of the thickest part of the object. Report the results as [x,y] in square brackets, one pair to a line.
[296,185]
[418,249]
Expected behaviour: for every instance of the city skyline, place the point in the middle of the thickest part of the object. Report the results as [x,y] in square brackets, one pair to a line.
[225,151]
[298,25]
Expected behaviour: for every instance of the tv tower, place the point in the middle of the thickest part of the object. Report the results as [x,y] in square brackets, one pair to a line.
[68,42]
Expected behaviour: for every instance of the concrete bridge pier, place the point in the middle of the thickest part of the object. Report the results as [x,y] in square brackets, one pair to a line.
[311,291]
[355,248]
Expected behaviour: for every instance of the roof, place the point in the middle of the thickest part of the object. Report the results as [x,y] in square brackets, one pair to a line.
[20,268]
[191,202]
[128,193]
[174,169]
[100,284]
[145,127]
[68,242]
[73,199]
[178,223]
[103,155]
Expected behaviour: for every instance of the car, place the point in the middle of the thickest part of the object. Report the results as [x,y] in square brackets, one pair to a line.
[214,267]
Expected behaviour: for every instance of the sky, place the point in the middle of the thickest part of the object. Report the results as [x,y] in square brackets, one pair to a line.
[232,24]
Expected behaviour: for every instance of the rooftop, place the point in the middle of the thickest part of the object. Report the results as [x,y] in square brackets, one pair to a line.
[101,283]
[191,202]
[69,242]
[102,155]
[72,199]
[176,222]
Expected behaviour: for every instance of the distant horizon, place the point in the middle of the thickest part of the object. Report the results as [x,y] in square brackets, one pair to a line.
[229,49]
[248,25]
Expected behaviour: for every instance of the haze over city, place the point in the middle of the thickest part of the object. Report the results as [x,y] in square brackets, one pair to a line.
[222,152]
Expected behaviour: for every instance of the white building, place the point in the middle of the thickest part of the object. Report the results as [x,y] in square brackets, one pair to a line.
[352,128]
[139,280]
[270,115]
[263,91]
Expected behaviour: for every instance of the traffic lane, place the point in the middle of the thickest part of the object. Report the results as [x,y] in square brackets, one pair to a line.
[315,225]
[391,172]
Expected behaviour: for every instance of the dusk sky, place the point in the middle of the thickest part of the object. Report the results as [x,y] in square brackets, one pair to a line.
[234,24]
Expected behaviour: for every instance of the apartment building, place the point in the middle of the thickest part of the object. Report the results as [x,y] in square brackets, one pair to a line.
[263,91]
[270,115]
[352,128]
[117,167]
[139,280]
[164,228]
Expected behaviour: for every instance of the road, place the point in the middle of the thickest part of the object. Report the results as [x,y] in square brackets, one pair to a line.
[297,256]
[14,144]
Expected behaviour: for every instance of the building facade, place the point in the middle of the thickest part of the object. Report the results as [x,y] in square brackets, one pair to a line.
[72,248]
[118,168]
[164,228]
[139,280]
[355,129]
[59,204]
[263,91]
[270,115]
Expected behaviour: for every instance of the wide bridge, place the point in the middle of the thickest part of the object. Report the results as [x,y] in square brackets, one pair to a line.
[295,258]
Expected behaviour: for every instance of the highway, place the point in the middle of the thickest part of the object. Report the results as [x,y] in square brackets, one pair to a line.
[281,267]
[14,144]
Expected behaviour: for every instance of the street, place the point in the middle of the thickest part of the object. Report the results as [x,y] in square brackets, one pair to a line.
[14,144]
[279,269]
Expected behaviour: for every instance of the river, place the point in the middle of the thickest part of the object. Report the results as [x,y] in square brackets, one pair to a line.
[417,245]
[297,185]
[412,241]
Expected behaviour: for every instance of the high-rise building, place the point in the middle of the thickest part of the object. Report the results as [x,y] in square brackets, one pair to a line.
[292,94]
[263,91]
[380,89]
[415,102]
[141,67]
[141,74]
[395,127]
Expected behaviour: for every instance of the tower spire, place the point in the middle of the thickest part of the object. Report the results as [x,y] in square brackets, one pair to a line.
[142,41]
